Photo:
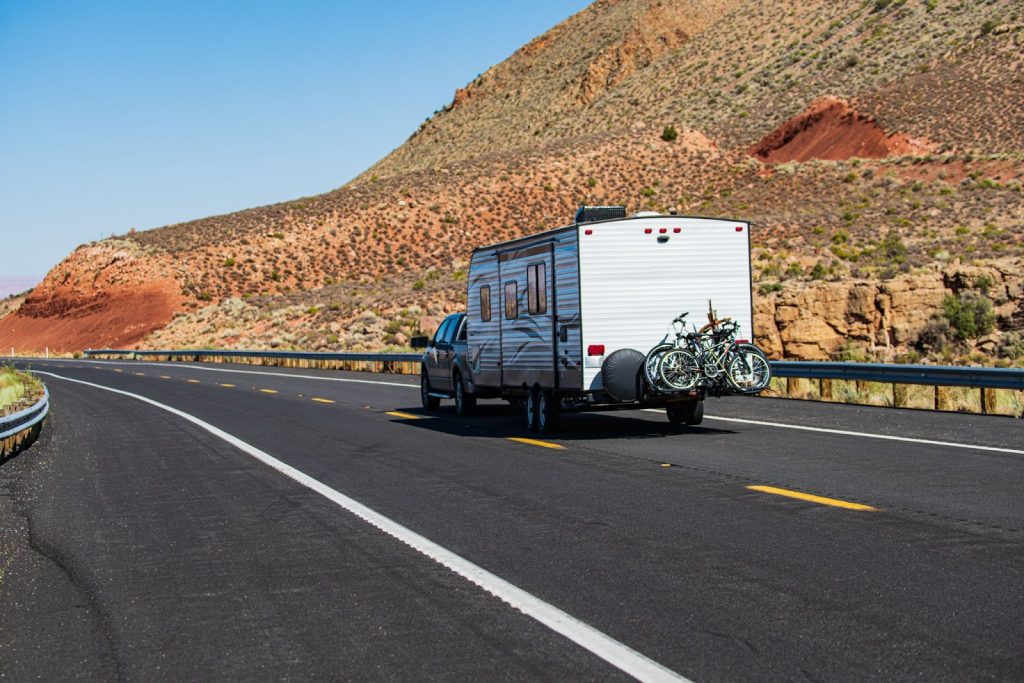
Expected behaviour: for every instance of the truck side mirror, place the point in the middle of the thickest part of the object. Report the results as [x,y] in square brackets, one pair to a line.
[420,342]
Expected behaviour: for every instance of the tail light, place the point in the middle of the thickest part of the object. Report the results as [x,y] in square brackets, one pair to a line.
[595,350]
[742,341]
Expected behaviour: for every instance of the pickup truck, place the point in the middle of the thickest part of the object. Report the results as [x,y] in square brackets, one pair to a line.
[445,372]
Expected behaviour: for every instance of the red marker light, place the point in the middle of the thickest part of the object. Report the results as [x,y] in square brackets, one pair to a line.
[739,228]
[663,230]
[595,350]
[677,230]
[588,232]
[647,231]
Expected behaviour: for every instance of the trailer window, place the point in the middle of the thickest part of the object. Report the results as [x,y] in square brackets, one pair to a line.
[485,303]
[536,289]
[511,300]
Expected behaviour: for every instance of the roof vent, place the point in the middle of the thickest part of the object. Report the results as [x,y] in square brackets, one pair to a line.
[645,214]
[590,214]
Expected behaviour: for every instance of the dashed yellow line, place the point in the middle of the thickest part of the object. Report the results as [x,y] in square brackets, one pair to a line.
[228,386]
[192,381]
[834,502]
[115,369]
[165,376]
[407,416]
[535,442]
[321,400]
[139,374]
[269,391]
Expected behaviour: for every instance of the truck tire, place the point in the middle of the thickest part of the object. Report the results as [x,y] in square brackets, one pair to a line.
[532,405]
[465,404]
[621,372]
[429,402]
[547,411]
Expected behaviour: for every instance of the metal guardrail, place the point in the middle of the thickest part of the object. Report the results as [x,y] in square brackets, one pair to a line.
[25,419]
[929,375]
[296,355]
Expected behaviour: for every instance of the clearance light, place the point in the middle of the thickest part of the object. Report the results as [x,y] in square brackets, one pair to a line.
[739,228]
[647,231]
[595,350]
[588,232]
[677,230]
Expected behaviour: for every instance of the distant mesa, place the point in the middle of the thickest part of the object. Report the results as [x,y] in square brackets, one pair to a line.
[829,128]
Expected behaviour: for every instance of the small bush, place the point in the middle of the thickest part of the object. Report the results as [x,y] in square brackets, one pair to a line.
[769,287]
[969,316]
[669,134]
[893,248]
[229,263]
[819,271]
[418,285]
[988,27]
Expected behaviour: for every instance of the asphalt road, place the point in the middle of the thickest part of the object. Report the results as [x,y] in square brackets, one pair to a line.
[144,546]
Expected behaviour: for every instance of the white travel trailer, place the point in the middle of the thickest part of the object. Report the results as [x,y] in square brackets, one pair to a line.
[548,313]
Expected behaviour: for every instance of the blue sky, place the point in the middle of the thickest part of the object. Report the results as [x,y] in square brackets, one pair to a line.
[116,115]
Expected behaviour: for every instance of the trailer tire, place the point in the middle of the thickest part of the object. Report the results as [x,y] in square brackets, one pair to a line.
[532,409]
[429,402]
[621,372]
[547,411]
[685,413]
[465,404]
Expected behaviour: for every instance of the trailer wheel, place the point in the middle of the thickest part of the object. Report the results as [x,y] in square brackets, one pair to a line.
[429,402]
[686,412]
[532,412]
[547,411]
[465,404]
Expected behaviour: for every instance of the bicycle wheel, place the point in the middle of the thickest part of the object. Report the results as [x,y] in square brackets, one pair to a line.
[679,369]
[651,364]
[747,369]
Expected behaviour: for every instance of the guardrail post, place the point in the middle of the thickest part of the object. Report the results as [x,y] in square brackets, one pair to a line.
[941,398]
[988,400]
[825,389]
[899,395]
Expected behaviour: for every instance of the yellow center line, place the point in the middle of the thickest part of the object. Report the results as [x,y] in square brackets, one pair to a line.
[321,400]
[192,381]
[269,391]
[165,376]
[407,416]
[115,369]
[535,442]
[140,374]
[228,386]
[811,498]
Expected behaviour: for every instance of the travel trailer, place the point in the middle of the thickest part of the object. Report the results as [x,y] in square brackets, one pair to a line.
[563,319]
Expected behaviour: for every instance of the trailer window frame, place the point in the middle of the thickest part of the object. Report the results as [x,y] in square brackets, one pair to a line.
[511,303]
[485,303]
[537,288]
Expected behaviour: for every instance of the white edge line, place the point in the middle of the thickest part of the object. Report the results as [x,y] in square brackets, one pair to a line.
[249,372]
[607,648]
[887,437]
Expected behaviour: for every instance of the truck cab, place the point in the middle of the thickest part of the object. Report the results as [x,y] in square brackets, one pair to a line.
[445,372]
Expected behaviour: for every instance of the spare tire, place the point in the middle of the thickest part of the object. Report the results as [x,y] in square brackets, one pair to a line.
[620,373]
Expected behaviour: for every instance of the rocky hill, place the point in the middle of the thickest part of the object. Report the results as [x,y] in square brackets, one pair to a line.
[877,146]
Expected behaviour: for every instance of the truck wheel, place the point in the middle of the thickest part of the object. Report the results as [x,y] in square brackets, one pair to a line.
[429,402]
[686,412]
[465,404]
[532,417]
[547,411]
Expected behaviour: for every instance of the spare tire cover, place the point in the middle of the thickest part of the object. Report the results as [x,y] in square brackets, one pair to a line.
[619,373]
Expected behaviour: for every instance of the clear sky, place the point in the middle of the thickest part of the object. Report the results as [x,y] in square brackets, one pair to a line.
[116,115]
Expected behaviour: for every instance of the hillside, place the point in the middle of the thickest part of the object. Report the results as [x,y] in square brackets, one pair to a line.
[873,144]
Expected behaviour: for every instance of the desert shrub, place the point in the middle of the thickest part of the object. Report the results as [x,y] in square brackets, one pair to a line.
[893,248]
[988,27]
[1012,345]
[418,285]
[669,134]
[969,316]
[818,271]
[769,287]
[229,263]
[935,336]
[983,284]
